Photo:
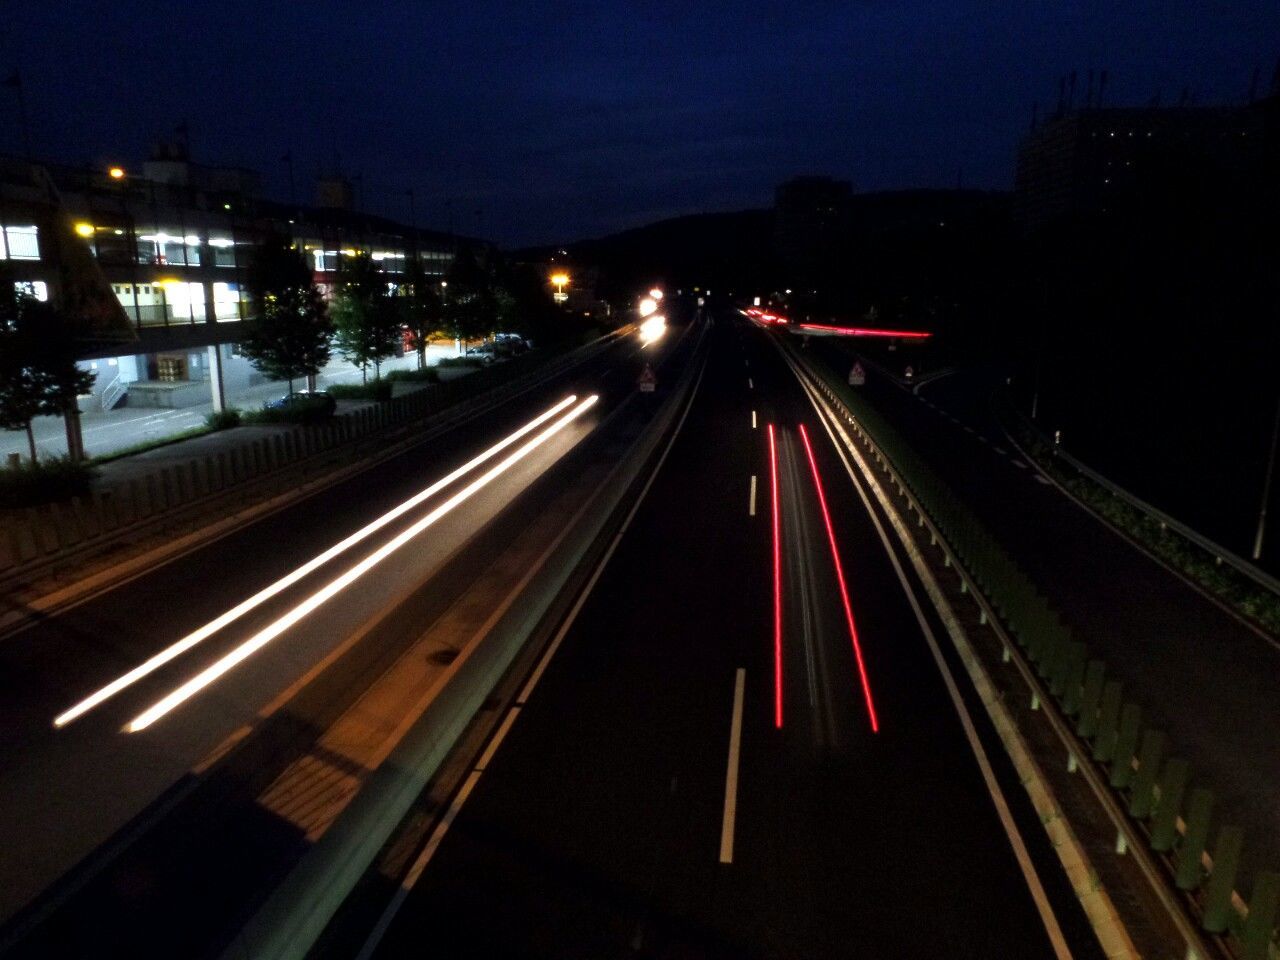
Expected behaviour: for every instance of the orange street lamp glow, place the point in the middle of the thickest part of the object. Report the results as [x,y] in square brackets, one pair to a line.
[116,173]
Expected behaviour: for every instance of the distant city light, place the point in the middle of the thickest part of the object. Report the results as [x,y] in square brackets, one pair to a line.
[116,173]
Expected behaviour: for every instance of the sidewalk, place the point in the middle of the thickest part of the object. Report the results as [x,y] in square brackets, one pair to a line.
[106,431]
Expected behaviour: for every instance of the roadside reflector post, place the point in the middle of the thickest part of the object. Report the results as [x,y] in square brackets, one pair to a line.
[1222,879]
[1262,916]
[1126,746]
[1104,745]
[1173,782]
[1144,781]
[1090,697]
[1073,679]
[1190,869]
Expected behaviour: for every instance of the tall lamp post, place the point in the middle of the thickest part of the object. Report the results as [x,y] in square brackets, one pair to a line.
[560,280]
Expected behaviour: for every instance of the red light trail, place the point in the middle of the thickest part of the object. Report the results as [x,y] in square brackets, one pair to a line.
[826,328]
[844,590]
[777,587]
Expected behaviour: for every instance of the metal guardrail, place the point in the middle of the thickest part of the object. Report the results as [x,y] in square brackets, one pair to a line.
[1108,743]
[1220,553]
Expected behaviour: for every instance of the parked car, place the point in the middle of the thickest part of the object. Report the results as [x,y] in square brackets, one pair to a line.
[306,402]
[484,353]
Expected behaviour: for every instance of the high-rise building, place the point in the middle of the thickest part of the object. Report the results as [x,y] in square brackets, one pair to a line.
[1094,161]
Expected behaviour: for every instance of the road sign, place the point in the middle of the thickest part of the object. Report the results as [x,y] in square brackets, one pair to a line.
[648,382]
[857,375]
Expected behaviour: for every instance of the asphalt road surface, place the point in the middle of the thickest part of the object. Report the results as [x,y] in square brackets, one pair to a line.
[66,791]
[601,825]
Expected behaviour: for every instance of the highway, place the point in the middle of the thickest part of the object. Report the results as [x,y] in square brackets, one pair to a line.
[145,730]
[724,758]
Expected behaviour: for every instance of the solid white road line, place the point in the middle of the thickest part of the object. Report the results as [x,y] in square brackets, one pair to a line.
[411,878]
[753,420]
[751,506]
[750,385]
[1054,931]
[731,774]
[415,871]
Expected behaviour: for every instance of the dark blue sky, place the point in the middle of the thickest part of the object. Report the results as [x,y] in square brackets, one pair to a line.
[566,120]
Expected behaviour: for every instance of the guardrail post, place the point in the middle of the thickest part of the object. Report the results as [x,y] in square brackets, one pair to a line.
[1104,745]
[1073,678]
[1190,870]
[1095,675]
[1126,745]
[1262,916]
[1222,880]
[1143,796]
[1173,781]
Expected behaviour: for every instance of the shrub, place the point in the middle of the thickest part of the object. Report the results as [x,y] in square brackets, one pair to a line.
[45,481]
[302,410]
[472,361]
[373,390]
[429,375]
[223,419]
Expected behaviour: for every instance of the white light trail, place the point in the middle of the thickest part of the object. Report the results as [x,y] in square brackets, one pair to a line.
[260,639]
[262,596]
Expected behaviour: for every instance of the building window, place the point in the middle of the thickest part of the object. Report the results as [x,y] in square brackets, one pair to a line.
[20,243]
[171,369]
[32,288]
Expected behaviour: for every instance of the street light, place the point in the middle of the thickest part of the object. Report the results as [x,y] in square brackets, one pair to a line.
[647,306]
[560,280]
[655,293]
[116,173]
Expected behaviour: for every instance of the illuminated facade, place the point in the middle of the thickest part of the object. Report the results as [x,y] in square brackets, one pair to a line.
[172,245]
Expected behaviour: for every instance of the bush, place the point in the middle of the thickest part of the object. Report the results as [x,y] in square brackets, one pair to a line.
[472,361]
[45,481]
[373,390]
[223,419]
[301,410]
[428,375]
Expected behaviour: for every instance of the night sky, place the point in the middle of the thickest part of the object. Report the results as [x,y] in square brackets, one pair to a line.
[538,123]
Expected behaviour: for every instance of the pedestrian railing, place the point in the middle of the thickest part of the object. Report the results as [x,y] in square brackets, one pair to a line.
[37,538]
[1218,553]
[1160,812]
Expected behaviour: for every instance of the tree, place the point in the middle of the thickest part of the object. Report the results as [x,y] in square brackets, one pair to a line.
[38,370]
[471,306]
[20,392]
[366,320]
[423,308]
[289,337]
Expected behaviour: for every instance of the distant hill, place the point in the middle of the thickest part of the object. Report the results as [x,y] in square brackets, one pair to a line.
[737,247]
[699,249]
